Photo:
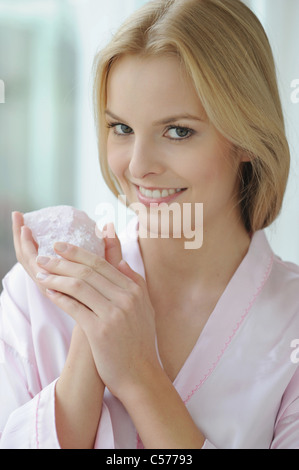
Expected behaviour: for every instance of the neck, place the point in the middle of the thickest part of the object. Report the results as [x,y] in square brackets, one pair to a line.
[168,262]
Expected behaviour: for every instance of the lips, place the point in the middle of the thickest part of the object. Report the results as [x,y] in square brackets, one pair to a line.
[157,195]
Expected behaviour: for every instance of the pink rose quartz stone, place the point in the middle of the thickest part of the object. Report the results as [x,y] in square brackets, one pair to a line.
[64,224]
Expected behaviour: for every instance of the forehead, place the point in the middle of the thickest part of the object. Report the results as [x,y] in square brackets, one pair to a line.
[151,85]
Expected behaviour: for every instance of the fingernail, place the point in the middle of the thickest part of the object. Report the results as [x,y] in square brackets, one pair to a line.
[60,246]
[110,230]
[42,259]
[50,291]
[42,276]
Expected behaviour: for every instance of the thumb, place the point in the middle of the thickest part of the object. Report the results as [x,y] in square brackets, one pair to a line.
[112,245]
[128,271]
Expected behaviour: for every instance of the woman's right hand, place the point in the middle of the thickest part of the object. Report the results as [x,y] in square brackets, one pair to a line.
[77,406]
[26,247]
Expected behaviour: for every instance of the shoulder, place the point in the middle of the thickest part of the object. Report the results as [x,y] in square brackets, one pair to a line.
[287,268]
[282,274]
[280,294]
[273,285]
[285,278]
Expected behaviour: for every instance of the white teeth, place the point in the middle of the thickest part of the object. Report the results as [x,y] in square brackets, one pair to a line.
[156,193]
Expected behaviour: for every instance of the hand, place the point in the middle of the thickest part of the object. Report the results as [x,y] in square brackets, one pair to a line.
[112,306]
[26,247]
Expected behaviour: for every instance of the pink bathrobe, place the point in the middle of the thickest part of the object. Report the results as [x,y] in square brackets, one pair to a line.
[240,383]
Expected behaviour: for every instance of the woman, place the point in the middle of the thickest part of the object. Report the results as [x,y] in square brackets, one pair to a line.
[172,347]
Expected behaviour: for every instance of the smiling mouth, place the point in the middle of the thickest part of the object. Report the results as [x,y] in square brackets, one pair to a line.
[159,193]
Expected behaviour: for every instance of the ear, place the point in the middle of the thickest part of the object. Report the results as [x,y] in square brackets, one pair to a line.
[243,155]
[246,157]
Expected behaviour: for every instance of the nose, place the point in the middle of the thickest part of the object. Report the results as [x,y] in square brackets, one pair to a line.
[145,159]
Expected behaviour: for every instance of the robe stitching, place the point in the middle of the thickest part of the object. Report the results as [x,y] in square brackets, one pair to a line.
[235,329]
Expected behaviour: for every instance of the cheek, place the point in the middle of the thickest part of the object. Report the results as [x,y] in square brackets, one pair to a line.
[117,160]
[215,176]
[223,182]
[202,174]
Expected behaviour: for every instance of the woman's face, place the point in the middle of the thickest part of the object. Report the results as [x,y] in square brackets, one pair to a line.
[161,146]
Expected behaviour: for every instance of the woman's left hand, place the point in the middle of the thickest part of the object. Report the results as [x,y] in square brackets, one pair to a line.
[112,306]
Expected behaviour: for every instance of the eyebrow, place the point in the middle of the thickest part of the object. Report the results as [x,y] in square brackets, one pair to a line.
[167,120]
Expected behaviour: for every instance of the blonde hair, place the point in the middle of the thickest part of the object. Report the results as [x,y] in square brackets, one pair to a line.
[224,48]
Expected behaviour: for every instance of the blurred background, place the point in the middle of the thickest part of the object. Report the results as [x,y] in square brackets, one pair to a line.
[48,152]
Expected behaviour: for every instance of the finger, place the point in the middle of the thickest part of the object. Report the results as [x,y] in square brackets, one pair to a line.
[30,245]
[77,290]
[97,263]
[25,245]
[128,271]
[80,272]
[79,312]
[112,245]
[29,253]
[17,222]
